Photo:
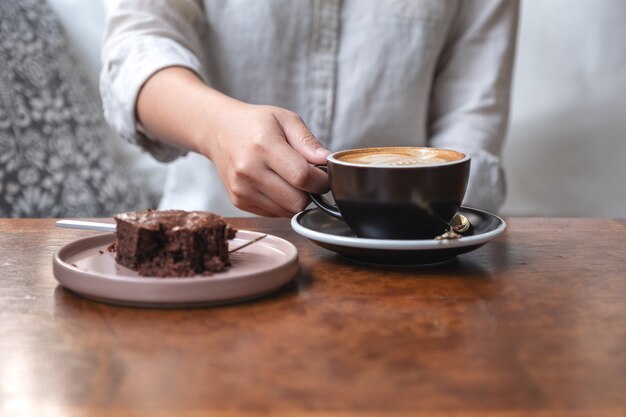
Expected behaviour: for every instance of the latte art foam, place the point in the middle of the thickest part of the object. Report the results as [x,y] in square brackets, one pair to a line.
[389,159]
[400,157]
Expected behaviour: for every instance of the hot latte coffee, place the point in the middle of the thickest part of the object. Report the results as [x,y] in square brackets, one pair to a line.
[396,192]
[400,156]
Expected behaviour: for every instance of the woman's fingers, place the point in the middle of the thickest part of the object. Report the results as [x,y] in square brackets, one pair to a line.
[264,156]
[267,191]
[295,170]
[300,138]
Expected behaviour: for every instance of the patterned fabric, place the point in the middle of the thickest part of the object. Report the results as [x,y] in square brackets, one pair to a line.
[54,159]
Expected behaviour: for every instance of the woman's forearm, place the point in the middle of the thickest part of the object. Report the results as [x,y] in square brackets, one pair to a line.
[264,154]
[174,106]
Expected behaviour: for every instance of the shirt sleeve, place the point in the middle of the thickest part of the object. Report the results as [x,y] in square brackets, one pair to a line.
[142,37]
[470,99]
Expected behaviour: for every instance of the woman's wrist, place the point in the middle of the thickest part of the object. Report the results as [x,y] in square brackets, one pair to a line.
[214,108]
[176,107]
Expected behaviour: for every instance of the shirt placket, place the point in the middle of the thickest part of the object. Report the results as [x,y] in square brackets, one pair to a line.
[323,67]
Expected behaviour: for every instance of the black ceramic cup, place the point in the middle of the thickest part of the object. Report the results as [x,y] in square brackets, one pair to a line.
[396,192]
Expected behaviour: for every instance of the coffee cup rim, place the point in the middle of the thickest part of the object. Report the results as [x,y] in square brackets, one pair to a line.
[333,158]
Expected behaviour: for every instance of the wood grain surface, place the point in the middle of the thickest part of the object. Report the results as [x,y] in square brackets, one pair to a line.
[533,323]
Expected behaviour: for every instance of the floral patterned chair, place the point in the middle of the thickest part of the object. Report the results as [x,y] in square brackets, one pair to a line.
[55,160]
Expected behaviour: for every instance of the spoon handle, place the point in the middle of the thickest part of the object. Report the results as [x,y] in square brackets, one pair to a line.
[80,224]
[110,227]
[247,244]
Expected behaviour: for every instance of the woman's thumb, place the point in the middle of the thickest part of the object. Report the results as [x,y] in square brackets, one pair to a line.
[302,140]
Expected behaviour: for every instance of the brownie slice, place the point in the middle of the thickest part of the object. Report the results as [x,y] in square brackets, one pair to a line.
[172,242]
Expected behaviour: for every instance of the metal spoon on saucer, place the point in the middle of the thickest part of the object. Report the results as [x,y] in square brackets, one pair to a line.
[459,225]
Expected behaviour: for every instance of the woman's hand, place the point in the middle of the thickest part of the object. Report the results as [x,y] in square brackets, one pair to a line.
[262,153]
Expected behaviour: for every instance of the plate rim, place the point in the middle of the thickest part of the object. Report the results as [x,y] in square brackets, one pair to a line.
[164,280]
[154,288]
[397,244]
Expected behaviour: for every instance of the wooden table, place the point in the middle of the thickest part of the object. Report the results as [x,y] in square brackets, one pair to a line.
[533,323]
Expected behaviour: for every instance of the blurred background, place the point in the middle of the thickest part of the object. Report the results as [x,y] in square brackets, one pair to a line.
[565,153]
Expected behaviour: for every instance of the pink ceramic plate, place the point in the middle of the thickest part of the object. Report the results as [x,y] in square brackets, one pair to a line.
[87,268]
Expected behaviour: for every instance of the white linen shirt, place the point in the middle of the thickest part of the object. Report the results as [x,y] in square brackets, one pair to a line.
[360,73]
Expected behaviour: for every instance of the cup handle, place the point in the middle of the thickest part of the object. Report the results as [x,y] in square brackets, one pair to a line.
[320,201]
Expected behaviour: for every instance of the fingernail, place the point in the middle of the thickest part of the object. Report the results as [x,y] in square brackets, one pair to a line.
[322,152]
